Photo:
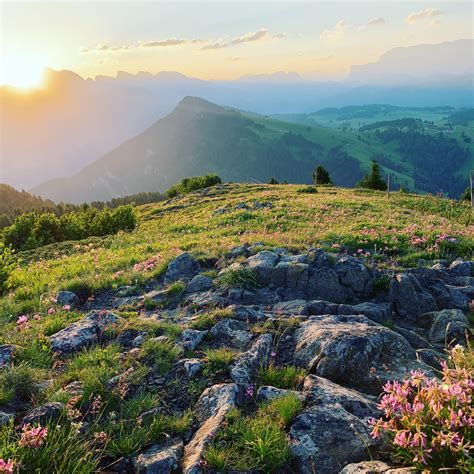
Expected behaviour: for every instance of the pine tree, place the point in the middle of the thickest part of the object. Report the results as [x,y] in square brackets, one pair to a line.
[373,180]
[321,175]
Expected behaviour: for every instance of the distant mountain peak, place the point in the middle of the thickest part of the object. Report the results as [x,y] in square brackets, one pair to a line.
[279,76]
[190,104]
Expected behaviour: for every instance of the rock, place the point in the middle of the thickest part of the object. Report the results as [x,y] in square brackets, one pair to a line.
[67,298]
[268,393]
[82,333]
[461,267]
[5,418]
[233,331]
[334,430]
[409,297]
[246,366]
[159,459]
[263,264]
[6,354]
[447,327]
[210,411]
[322,307]
[324,284]
[193,366]
[199,283]
[240,251]
[352,273]
[291,275]
[416,341]
[240,296]
[247,313]
[205,300]
[375,467]
[183,267]
[127,302]
[353,350]
[379,312]
[460,297]
[291,308]
[431,357]
[44,413]
[191,338]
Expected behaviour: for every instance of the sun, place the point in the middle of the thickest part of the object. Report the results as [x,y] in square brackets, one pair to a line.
[22,72]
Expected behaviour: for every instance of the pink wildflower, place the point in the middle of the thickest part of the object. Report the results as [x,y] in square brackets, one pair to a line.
[66,307]
[22,320]
[37,317]
[33,437]
[51,311]
[6,467]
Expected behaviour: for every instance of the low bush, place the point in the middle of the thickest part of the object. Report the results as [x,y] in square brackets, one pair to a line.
[34,229]
[188,185]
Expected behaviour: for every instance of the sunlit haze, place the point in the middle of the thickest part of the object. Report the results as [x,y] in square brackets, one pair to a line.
[216,40]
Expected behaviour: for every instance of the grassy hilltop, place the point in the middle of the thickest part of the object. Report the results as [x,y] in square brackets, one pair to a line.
[209,224]
[134,363]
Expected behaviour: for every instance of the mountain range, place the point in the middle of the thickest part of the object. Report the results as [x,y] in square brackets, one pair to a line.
[200,137]
[58,130]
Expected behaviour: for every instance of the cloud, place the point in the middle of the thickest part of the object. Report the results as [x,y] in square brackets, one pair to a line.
[233,58]
[335,33]
[376,22]
[423,15]
[166,42]
[325,59]
[211,46]
[280,36]
[252,36]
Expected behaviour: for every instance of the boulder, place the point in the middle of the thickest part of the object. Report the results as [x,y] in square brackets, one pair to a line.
[210,411]
[199,283]
[324,284]
[232,331]
[267,393]
[352,273]
[67,298]
[263,264]
[6,354]
[447,327]
[245,368]
[44,413]
[334,430]
[191,338]
[6,418]
[159,459]
[241,296]
[353,350]
[379,312]
[322,307]
[409,297]
[292,308]
[461,267]
[193,366]
[183,267]
[82,333]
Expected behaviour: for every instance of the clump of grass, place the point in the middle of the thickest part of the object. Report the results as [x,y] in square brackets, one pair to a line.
[161,354]
[176,289]
[257,442]
[36,353]
[238,278]
[288,377]
[207,320]
[218,360]
[18,382]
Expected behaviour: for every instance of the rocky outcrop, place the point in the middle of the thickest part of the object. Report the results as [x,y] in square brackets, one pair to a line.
[233,332]
[44,413]
[353,350]
[159,459]
[210,411]
[375,467]
[82,333]
[183,267]
[447,327]
[334,430]
[245,368]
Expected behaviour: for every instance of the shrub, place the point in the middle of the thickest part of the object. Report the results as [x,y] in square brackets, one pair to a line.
[188,185]
[6,266]
[321,175]
[381,284]
[34,229]
[373,180]
[308,190]
[429,422]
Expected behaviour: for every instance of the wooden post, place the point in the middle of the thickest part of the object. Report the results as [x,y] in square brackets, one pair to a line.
[388,184]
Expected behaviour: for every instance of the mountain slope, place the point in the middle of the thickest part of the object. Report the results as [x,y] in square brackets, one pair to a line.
[199,137]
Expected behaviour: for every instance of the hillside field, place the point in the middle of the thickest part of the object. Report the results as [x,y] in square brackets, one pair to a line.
[208,224]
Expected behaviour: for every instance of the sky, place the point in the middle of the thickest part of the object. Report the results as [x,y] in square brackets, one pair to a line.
[216,40]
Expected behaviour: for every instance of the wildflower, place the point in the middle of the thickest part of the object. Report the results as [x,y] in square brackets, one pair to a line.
[37,317]
[66,307]
[51,311]
[32,437]
[22,320]
[7,467]
[101,437]
[249,393]
[273,354]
